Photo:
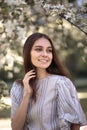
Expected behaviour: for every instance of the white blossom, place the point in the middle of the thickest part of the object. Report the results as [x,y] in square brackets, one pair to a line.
[10,75]
[10,27]
[85,50]
[80,45]
[38,2]
[59,9]
[84,59]
[14,2]
[27,11]
[1,26]
[1,65]
[21,32]
[16,69]
[9,61]
[54,8]
[2,60]
[3,36]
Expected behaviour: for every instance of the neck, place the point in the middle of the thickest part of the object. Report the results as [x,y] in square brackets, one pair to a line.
[41,73]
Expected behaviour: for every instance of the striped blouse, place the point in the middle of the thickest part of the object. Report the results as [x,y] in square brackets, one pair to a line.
[56,107]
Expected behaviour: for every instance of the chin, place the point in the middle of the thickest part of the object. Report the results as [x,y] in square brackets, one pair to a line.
[43,67]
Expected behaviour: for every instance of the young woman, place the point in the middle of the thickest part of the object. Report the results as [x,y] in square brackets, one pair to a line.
[45,99]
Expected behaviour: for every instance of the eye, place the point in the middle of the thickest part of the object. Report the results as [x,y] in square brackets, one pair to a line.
[49,50]
[38,49]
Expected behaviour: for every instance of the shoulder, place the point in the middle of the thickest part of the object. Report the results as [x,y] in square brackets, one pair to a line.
[16,92]
[17,84]
[64,82]
[65,87]
[61,79]
[17,87]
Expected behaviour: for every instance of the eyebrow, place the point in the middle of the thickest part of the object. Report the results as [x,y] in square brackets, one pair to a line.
[42,46]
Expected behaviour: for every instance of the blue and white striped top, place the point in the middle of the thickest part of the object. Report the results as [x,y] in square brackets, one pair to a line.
[56,107]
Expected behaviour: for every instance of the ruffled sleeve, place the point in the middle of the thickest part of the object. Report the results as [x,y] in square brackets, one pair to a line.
[16,97]
[68,104]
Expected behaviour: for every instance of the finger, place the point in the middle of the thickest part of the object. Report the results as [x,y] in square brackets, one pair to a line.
[31,71]
[29,74]
[32,76]
[26,80]
[28,77]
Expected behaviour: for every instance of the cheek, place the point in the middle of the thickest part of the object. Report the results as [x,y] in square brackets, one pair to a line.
[51,57]
[34,58]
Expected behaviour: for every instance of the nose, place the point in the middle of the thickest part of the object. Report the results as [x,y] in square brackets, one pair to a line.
[44,53]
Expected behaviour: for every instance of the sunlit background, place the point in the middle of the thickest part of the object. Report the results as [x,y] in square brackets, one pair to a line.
[19,19]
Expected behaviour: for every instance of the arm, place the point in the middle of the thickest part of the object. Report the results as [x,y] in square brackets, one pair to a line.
[19,117]
[75,127]
[69,105]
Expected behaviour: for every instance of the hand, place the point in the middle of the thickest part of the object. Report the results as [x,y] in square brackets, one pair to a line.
[27,87]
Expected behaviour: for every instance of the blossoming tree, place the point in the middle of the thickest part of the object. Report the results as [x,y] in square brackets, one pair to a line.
[19,18]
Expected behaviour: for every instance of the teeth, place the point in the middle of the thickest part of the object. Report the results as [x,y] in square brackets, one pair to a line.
[43,60]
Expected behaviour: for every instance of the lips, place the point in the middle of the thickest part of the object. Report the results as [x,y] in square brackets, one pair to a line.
[43,60]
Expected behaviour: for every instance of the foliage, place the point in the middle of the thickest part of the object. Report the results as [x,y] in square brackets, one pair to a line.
[20,18]
[3,89]
[70,12]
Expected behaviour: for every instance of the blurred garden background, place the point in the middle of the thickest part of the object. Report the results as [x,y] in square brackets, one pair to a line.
[65,21]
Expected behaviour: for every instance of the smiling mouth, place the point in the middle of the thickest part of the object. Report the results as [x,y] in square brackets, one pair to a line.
[42,60]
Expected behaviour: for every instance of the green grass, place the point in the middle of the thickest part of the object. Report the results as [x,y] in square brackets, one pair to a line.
[5,113]
[4,110]
[84,100]
[84,105]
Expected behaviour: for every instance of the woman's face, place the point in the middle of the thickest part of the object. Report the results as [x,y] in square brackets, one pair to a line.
[41,53]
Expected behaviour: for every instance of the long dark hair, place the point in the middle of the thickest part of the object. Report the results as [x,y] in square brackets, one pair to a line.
[56,66]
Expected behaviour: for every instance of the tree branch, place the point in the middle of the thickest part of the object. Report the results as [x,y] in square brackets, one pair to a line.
[74,24]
